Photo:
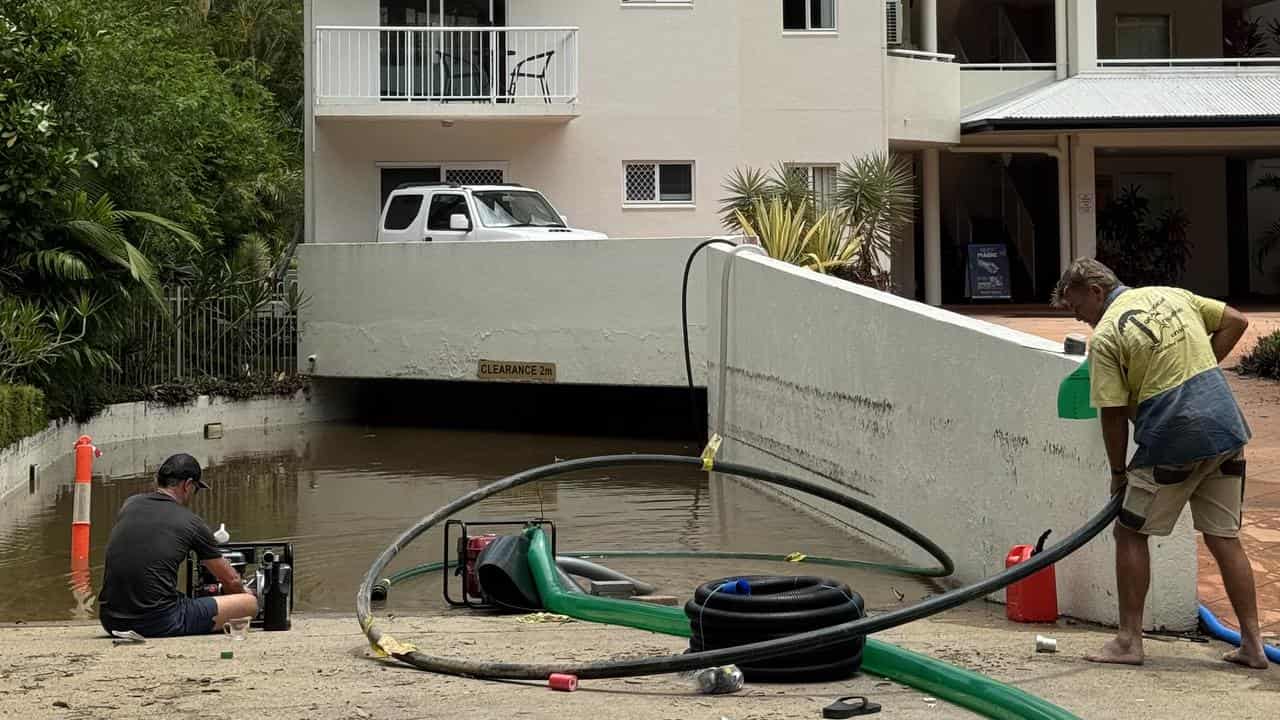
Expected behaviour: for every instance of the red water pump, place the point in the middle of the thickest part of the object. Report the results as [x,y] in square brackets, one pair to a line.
[466,551]
[1033,599]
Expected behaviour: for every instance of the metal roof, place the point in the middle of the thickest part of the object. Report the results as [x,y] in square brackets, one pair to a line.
[1141,98]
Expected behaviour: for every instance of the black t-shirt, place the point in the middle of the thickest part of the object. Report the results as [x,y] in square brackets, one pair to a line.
[150,540]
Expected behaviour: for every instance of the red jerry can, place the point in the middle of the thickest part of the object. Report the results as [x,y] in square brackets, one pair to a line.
[1032,599]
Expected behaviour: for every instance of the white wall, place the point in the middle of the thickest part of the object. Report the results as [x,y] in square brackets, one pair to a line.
[979,88]
[606,312]
[128,422]
[924,100]
[719,84]
[944,421]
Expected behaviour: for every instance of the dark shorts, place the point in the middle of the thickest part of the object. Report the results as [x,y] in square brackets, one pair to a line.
[189,616]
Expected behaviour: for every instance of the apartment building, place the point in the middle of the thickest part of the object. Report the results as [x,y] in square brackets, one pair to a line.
[1023,119]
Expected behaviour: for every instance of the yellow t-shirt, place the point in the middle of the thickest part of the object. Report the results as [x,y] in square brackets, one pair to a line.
[1152,353]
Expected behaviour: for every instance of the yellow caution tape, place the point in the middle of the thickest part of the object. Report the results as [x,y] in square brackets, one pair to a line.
[543,617]
[709,452]
[796,557]
[391,646]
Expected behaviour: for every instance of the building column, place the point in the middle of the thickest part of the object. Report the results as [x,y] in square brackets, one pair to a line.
[929,25]
[932,206]
[1064,204]
[1060,14]
[1082,31]
[1083,198]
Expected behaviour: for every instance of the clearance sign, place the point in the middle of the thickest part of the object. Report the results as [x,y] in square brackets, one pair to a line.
[509,370]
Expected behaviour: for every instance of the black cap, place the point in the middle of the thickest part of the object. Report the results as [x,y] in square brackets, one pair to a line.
[178,468]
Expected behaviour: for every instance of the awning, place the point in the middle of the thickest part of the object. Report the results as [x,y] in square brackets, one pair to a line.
[1141,99]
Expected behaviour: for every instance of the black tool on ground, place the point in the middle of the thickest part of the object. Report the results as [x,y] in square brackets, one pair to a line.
[466,562]
[729,612]
[265,569]
[843,708]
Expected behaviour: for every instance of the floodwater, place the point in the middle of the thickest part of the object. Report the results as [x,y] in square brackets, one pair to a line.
[341,493]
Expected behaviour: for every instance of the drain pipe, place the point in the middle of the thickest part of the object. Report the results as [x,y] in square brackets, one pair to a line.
[724,331]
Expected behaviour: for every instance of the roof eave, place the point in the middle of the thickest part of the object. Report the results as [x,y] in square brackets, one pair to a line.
[1133,123]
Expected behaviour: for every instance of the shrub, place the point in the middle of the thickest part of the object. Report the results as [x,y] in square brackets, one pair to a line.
[21,413]
[1264,359]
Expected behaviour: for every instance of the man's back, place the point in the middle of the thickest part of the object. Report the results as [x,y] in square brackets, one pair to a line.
[151,537]
[1152,352]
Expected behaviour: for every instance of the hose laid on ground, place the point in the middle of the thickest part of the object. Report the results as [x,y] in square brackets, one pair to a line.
[769,607]
[955,685]
[815,640]
[1227,635]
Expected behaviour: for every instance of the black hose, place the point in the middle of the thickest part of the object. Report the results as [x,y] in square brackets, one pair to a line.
[778,607]
[697,426]
[745,654]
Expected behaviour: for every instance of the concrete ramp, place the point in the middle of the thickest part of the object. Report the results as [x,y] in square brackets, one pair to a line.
[945,421]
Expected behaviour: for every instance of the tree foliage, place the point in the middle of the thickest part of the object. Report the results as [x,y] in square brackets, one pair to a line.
[142,144]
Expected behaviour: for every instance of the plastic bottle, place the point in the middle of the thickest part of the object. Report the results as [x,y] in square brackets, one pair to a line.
[717,680]
[221,535]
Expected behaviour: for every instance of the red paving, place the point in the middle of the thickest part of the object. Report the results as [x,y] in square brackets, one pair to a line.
[1260,401]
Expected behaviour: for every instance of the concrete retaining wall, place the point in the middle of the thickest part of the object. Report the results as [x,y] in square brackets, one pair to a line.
[947,422]
[126,422]
[603,312]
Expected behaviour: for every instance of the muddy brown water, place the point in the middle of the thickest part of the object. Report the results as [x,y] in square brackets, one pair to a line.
[342,493]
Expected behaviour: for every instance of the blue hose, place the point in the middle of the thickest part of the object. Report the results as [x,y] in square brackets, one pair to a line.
[1226,634]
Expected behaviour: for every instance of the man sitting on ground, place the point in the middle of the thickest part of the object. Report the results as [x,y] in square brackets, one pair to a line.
[153,534]
[1154,360]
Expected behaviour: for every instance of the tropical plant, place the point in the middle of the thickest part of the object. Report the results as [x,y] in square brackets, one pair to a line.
[1244,37]
[853,239]
[1264,359]
[878,194]
[1269,240]
[1141,248]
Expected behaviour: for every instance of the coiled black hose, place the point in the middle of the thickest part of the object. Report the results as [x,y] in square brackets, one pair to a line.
[745,654]
[778,607]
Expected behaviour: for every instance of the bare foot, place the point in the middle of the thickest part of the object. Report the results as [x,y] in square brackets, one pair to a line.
[1119,652]
[1256,659]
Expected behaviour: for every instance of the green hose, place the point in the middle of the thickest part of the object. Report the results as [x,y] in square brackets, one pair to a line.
[955,685]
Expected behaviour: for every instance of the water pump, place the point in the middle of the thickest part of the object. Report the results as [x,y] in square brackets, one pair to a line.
[265,569]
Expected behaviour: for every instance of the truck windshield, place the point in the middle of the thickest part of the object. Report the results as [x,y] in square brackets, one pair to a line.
[515,208]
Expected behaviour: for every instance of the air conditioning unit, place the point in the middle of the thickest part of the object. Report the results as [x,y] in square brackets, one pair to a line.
[893,22]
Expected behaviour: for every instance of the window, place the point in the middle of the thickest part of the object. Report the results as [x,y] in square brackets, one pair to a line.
[404,208]
[1143,36]
[647,182]
[515,208]
[822,183]
[806,15]
[443,206]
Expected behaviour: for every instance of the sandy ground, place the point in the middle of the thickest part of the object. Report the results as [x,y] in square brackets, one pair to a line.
[323,669]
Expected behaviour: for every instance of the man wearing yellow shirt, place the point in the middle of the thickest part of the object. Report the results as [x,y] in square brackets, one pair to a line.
[1153,360]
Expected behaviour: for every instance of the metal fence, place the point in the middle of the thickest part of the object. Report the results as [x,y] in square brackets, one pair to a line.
[251,333]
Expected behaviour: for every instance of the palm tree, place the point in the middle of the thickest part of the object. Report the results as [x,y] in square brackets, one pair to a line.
[852,240]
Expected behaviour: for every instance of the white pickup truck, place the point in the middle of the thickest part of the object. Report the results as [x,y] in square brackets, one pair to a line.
[435,212]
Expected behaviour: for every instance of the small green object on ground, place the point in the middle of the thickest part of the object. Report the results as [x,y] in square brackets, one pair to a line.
[227,654]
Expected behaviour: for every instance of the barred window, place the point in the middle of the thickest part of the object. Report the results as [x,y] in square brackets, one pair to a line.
[658,182]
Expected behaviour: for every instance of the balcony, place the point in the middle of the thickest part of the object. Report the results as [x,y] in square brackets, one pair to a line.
[447,73]
[924,97]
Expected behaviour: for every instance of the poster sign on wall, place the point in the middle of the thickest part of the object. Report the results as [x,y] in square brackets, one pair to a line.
[989,272]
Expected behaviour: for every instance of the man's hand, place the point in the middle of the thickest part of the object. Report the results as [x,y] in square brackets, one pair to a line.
[226,574]
[1115,434]
[1229,332]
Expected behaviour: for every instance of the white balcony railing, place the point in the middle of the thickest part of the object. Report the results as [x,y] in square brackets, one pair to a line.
[1189,62]
[446,64]
[1008,67]
[921,55]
